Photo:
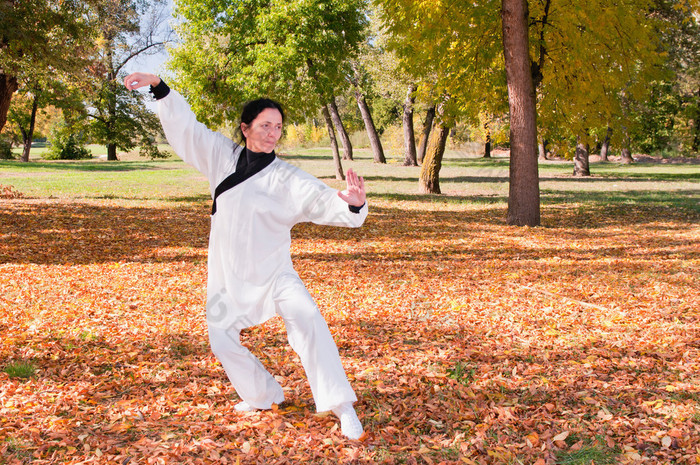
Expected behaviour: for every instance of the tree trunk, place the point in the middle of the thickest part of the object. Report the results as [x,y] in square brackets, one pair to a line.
[8,86]
[487,144]
[28,135]
[112,152]
[524,193]
[344,138]
[429,182]
[374,141]
[626,151]
[696,138]
[409,138]
[427,126]
[605,147]
[581,165]
[542,148]
[334,143]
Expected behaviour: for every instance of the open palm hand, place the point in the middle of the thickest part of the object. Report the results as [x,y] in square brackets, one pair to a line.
[355,193]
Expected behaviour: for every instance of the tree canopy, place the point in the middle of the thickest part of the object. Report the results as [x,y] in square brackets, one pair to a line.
[40,35]
[295,51]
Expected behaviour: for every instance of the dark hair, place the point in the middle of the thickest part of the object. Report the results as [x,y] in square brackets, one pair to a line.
[252,109]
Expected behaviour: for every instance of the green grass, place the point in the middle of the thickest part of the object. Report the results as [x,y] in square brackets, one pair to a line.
[587,455]
[20,369]
[464,178]
[462,373]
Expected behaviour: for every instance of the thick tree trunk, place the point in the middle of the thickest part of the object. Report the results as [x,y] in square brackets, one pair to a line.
[374,141]
[112,152]
[524,193]
[487,144]
[581,164]
[409,138]
[8,86]
[344,138]
[334,143]
[425,135]
[28,134]
[605,147]
[542,149]
[429,182]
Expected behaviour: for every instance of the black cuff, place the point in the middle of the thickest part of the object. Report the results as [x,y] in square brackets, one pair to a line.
[160,91]
[355,209]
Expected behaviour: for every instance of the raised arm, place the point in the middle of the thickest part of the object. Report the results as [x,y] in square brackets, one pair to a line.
[208,151]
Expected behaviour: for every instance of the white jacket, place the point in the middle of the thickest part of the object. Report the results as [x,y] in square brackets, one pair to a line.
[249,242]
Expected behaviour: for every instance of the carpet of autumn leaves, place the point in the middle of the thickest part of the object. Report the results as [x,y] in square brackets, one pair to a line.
[467,341]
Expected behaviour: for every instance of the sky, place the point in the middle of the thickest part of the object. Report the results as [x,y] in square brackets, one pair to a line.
[153,63]
[150,64]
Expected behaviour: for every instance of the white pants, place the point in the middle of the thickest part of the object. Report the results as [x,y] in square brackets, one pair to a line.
[309,336]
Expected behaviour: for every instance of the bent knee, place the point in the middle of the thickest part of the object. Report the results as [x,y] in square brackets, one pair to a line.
[223,342]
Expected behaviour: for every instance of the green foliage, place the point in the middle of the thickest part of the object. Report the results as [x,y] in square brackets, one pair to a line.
[386,112]
[58,32]
[41,37]
[295,51]
[592,62]
[66,144]
[657,119]
[20,369]
[6,148]
[120,117]
[669,119]
[450,48]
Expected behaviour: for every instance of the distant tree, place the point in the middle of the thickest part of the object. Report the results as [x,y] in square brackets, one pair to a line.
[410,157]
[358,79]
[389,81]
[40,35]
[592,63]
[448,49]
[369,70]
[340,127]
[35,94]
[669,118]
[429,180]
[125,29]
[22,112]
[425,133]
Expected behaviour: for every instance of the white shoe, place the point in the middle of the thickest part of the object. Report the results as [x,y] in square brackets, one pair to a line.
[244,407]
[349,423]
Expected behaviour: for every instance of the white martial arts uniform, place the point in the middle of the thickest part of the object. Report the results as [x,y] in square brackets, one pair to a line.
[251,276]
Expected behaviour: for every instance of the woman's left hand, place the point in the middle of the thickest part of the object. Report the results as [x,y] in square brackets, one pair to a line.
[355,193]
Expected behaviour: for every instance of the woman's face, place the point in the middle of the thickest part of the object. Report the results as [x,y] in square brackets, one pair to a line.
[264,131]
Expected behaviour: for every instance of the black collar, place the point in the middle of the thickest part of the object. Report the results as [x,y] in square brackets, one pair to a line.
[249,164]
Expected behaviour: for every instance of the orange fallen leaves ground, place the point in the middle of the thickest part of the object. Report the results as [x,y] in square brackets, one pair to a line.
[467,341]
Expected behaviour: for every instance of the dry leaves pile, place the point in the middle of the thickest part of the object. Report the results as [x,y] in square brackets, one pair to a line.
[467,341]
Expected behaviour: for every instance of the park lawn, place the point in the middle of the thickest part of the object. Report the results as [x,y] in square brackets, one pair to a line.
[466,340]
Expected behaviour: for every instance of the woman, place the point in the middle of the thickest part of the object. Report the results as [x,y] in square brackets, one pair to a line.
[258,198]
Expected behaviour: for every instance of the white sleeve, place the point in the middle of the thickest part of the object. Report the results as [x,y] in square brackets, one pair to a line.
[318,203]
[208,151]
